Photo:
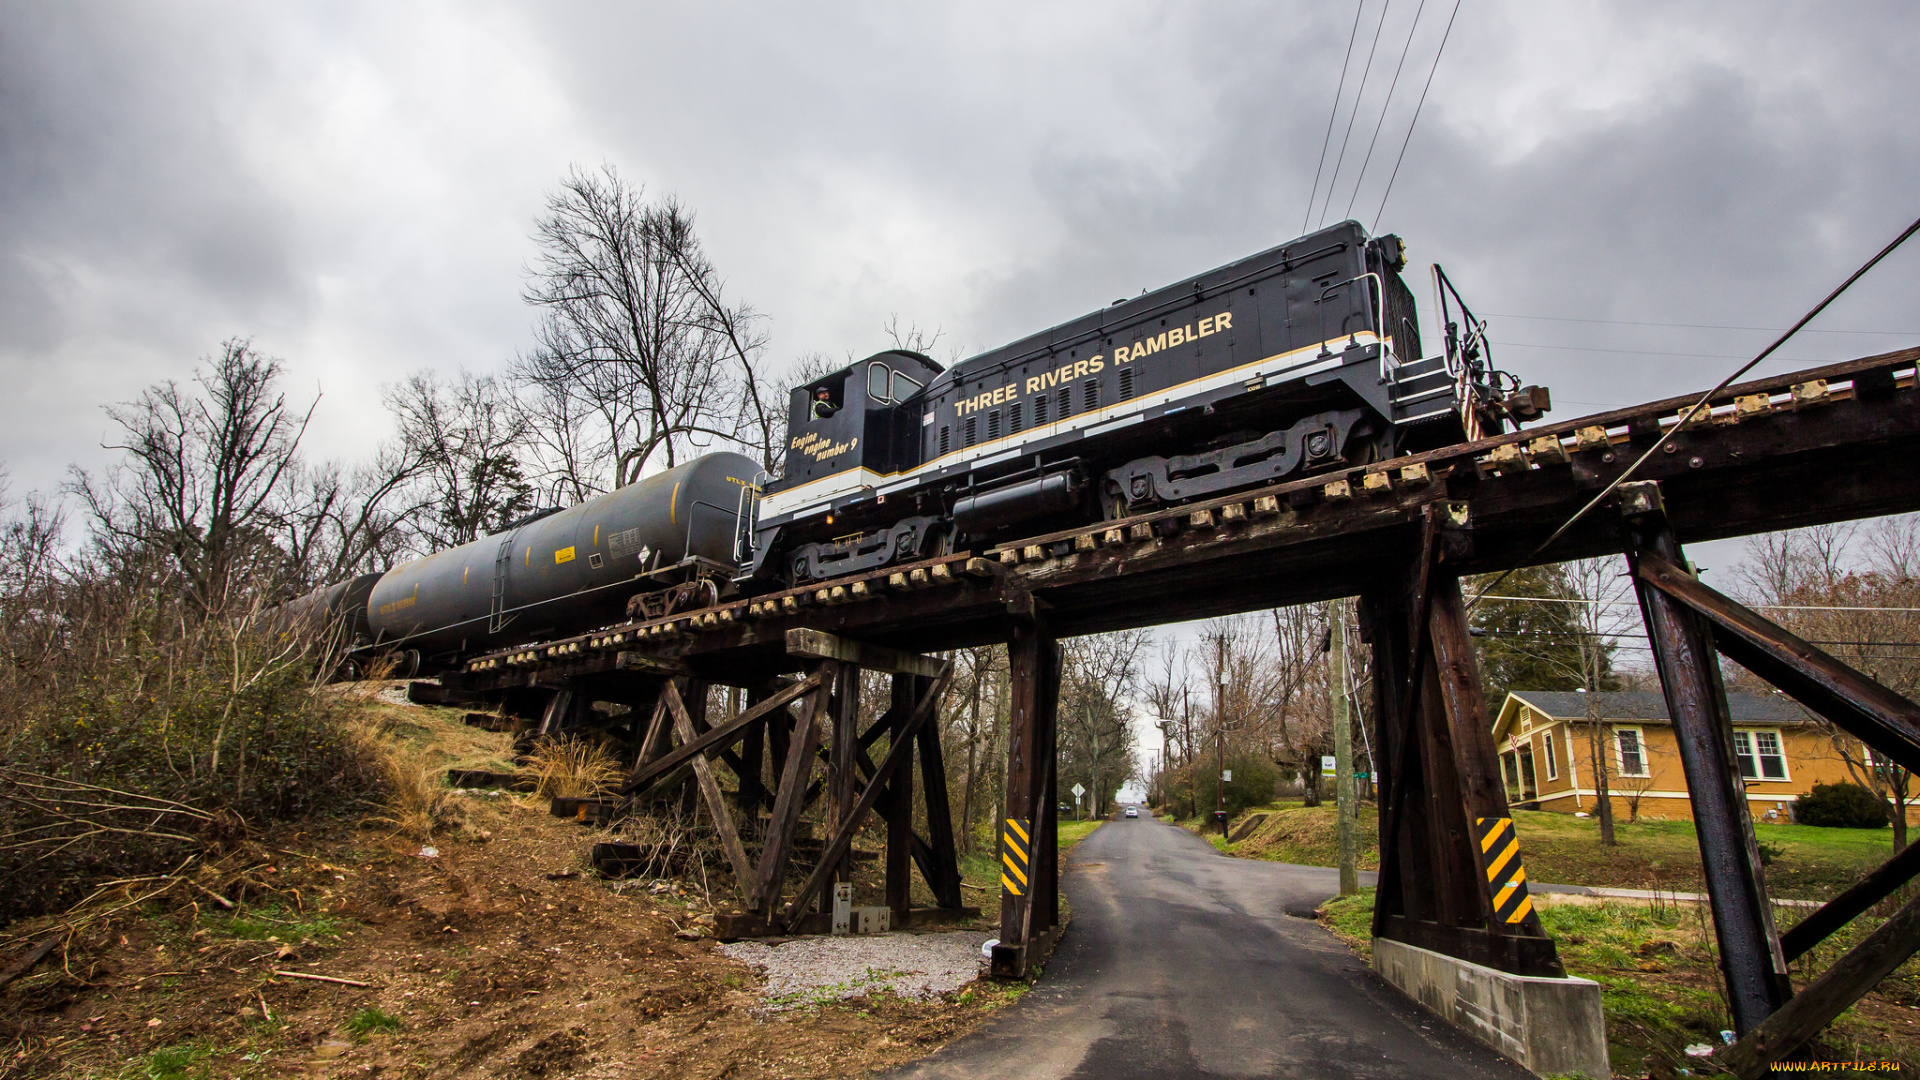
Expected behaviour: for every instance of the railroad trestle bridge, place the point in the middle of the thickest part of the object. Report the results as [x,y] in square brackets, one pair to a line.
[1818,445]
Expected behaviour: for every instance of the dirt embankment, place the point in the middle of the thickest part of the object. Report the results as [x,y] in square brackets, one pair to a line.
[502,958]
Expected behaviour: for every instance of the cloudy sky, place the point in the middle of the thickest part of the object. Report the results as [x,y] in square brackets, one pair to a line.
[1634,190]
[353,185]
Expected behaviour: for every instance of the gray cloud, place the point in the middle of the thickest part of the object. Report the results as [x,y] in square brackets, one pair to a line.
[353,185]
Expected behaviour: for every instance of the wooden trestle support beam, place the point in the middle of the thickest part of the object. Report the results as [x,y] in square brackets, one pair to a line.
[1029,848]
[811,724]
[1687,623]
[1451,879]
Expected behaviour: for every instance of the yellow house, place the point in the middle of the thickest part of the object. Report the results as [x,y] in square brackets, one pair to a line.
[1549,753]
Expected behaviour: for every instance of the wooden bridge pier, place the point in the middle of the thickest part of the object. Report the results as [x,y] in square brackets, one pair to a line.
[1688,624]
[1029,847]
[1451,880]
[823,736]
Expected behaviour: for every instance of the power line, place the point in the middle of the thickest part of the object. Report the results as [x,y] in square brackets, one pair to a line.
[1636,603]
[1384,106]
[1354,114]
[1642,352]
[1352,36]
[1639,634]
[1701,404]
[1416,117]
[1691,326]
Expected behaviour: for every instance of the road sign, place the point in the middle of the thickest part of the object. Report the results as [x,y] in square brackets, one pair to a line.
[1226,776]
[1327,767]
[1078,791]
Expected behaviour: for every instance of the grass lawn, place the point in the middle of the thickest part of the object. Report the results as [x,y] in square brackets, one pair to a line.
[1072,832]
[1804,862]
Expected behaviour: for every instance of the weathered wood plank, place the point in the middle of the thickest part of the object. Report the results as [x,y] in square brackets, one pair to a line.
[1812,1009]
[1877,716]
[724,735]
[842,838]
[820,645]
[791,798]
[710,791]
[1842,909]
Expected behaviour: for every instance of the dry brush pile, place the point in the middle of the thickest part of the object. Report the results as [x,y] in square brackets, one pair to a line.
[137,733]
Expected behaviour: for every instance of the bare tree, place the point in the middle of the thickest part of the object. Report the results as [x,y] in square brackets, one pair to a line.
[638,358]
[339,520]
[1097,674]
[468,437]
[1298,693]
[973,723]
[207,474]
[1166,694]
[1851,590]
[1597,587]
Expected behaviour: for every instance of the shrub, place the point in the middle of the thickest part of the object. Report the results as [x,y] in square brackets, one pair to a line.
[1843,806]
[136,731]
[1253,783]
[572,768]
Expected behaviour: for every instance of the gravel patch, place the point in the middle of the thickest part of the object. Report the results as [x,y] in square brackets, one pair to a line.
[807,971]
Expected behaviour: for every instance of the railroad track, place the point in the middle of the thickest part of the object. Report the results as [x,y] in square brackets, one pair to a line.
[1778,452]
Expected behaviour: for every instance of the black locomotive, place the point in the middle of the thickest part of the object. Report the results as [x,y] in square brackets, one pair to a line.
[1302,358]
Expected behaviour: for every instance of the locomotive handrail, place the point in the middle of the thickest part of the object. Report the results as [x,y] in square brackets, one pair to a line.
[747,517]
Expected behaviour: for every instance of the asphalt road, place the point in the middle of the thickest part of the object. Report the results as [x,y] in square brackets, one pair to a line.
[1182,963]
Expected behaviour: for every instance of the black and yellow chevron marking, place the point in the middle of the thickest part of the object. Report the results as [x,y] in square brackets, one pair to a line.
[1506,878]
[1015,863]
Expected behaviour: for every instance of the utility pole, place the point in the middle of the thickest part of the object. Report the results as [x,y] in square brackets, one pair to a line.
[1220,721]
[1342,748]
[1193,780]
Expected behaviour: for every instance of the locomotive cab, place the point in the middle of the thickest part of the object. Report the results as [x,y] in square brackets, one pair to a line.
[855,421]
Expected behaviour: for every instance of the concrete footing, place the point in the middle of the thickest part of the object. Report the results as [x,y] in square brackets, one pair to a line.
[1553,1027]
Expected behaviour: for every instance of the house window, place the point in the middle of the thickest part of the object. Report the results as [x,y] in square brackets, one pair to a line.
[1632,749]
[1760,755]
[1553,758]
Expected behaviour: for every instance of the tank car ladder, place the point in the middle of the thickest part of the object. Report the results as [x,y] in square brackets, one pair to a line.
[497,618]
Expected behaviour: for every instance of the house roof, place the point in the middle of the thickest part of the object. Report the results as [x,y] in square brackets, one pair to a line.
[1641,705]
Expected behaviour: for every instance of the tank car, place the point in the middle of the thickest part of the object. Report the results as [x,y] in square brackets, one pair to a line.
[671,538]
[1302,358]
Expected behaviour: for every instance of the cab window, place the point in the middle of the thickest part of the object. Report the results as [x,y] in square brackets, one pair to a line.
[889,387]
